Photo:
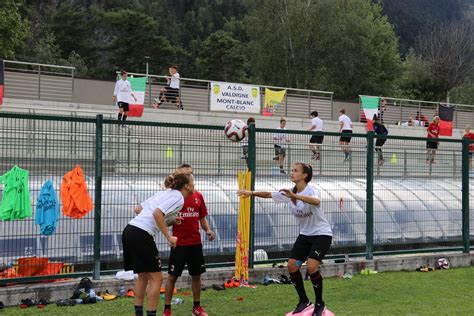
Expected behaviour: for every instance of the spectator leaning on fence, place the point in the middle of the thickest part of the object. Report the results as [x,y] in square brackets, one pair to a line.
[317,125]
[345,128]
[280,140]
[469,135]
[122,93]
[432,145]
[379,129]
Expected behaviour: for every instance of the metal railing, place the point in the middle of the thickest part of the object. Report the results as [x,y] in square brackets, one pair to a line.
[36,81]
[404,203]
[400,110]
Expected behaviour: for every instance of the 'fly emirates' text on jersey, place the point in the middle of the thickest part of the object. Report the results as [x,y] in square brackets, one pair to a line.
[193,210]
[310,217]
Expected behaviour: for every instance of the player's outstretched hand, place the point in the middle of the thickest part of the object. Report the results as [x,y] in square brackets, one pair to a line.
[288,193]
[243,193]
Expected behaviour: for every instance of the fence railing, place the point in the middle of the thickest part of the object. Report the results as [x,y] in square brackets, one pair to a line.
[35,81]
[404,203]
[400,110]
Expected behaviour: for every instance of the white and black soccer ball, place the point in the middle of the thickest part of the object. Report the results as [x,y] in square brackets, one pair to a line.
[235,130]
[442,263]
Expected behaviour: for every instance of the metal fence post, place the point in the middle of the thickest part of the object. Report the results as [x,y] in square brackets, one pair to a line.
[39,82]
[465,195]
[252,155]
[98,194]
[369,222]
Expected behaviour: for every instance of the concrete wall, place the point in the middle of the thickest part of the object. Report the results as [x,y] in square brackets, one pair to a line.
[93,91]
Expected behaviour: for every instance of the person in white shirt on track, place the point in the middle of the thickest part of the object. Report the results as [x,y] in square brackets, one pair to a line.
[280,140]
[345,127]
[317,125]
[122,93]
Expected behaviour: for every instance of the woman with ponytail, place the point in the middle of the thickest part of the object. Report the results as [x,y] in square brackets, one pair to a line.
[315,235]
[138,238]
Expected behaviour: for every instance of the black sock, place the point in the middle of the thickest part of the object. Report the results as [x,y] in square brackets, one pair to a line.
[151,313]
[297,281]
[317,280]
[167,306]
[124,118]
[119,116]
[196,303]
[138,310]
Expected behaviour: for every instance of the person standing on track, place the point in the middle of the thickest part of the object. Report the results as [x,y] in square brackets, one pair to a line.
[139,248]
[345,128]
[315,236]
[122,93]
[188,250]
[316,140]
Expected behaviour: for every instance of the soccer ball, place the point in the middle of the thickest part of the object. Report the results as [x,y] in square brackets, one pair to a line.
[235,130]
[442,263]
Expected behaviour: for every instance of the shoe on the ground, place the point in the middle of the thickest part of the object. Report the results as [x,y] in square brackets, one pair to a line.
[199,311]
[107,296]
[302,307]
[314,157]
[130,293]
[275,158]
[243,157]
[282,171]
[319,309]
[167,312]
[25,303]
[42,303]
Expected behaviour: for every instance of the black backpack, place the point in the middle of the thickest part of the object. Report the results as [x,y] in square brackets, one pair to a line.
[84,286]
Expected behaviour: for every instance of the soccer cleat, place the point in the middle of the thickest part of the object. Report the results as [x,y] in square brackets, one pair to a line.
[130,293]
[319,309]
[302,307]
[167,312]
[282,171]
[314,157]
[275,158]
[199,311]
[25,303]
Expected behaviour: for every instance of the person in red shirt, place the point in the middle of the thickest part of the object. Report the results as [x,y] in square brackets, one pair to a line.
[432,145]
[469,135]
[188,248]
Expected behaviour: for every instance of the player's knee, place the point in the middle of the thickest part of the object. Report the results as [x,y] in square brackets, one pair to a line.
[294,265]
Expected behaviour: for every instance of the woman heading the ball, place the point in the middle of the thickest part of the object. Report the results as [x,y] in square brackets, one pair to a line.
[139,249]
[315,236]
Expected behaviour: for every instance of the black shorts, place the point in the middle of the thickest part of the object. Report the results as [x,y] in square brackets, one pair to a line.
[379,142]
[317,138]
[280,150]
[139,251]
[346,138]
[432,144]
[314,247]
[192,256]
[171,94]
[123,105]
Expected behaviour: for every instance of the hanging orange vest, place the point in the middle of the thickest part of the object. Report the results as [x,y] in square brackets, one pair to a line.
[75,197]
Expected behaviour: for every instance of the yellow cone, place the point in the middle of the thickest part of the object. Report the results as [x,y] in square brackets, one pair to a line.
[169,152]
[393,161]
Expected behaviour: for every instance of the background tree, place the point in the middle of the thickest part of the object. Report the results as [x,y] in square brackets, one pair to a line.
[14,28]
[221,58]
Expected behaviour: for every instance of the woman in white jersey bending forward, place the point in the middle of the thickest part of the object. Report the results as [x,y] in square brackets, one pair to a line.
[315,235]
[139,248]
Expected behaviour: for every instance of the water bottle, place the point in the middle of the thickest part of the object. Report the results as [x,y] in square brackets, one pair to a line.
[176,301]
[121,291]
[92,293]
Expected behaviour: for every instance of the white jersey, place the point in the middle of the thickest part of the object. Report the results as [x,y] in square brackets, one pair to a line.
[167,201]
[174,81]
[310,217]
[318,124]
[347,123]
[123,91]
[281,138]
